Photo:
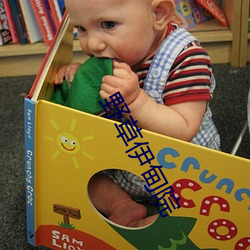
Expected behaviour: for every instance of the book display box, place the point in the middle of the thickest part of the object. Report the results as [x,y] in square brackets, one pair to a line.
[64,148]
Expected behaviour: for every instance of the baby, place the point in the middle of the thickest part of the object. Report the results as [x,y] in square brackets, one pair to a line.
[164,76]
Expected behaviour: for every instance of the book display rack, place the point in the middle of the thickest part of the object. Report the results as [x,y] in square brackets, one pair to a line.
[224,45]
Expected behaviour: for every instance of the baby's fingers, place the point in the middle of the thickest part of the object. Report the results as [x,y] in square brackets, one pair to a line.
[121,65]
[67,72]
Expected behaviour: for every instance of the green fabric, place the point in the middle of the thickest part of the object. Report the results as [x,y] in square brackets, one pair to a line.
[83,93]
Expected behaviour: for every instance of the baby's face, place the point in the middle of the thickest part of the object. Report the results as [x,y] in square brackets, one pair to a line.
[117,29]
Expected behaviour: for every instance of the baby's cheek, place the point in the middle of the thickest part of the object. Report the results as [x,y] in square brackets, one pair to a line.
[130,55]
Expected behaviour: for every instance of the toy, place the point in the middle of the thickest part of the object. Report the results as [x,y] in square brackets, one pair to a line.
[83,93]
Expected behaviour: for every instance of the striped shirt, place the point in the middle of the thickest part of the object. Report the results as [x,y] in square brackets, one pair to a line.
[189,77]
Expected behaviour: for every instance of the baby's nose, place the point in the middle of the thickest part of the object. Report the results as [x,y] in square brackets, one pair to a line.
[96,44]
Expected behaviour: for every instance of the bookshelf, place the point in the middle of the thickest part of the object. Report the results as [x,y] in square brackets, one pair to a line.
[17,60]
[223,44]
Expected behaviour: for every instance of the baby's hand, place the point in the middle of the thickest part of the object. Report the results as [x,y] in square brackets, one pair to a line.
[123,80]
[67,72]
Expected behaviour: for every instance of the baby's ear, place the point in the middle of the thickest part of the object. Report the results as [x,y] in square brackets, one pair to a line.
[164,11]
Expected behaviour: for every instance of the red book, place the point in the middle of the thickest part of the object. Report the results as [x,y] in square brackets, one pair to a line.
[11,22]
[214,9]
[43,20]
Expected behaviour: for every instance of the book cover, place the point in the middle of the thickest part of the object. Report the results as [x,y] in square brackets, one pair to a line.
[34,34]
[59,54]
[215,10]
[11,22]
[249,24]
[192,12]
[5,35]
[43,20]
[71,146]
[214,193]
[19,21]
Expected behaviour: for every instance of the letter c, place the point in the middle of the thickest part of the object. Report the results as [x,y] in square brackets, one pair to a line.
[161,157]
[209,201]
[242,244]
[181,184]
[238,194]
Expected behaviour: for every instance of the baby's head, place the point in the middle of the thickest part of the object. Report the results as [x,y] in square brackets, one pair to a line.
[125,30]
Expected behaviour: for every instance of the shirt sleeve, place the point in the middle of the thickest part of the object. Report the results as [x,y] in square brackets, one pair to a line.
[190,76]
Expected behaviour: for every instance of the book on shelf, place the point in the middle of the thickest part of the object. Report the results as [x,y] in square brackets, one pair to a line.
[33,30]
[213,8]
[19,21]
[11,22]
[249,23]
[55,12]
[51,18]
[43,20]
[190,13]
[65,147]
[61,6]
[5,34]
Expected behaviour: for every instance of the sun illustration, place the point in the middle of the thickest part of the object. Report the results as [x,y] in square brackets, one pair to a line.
[67,143]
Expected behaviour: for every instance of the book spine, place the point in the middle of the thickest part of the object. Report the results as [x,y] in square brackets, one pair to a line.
[54,14]
[29,134]
[58,11]
[11,22]
[48,11]
[21,29]
[33,30]
[5,35]
[43,20]
[61,6]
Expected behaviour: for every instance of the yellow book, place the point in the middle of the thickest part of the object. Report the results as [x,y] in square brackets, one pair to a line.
[64,148]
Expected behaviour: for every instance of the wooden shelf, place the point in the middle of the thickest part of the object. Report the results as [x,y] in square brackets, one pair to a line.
[215,37]
[26,59]
[246,44]
[212,31]
[245,36]
[248,48]
[28,49]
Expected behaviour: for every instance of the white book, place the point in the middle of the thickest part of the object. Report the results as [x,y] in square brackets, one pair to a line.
[32,26]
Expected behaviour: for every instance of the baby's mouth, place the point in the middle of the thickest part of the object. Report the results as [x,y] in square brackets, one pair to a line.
[117,60]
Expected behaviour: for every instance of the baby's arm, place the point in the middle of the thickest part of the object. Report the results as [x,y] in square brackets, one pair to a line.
[67,72]
[181,121]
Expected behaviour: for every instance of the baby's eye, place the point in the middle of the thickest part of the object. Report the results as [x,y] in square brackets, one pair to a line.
[81,29]
[108,25]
